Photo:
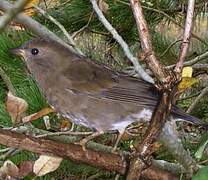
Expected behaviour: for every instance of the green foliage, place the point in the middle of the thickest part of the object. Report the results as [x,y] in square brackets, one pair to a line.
[74,15]
[15,69]
[202,146]
[202,174]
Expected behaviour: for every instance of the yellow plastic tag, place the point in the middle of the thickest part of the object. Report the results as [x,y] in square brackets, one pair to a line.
[187,72]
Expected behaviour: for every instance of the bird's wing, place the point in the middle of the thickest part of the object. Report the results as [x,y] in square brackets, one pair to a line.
[99,81]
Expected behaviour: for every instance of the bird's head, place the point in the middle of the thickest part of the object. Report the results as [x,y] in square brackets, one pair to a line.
[42,54]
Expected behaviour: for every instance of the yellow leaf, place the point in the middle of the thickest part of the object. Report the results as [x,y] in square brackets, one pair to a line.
[187,82]
[187,72]
[29,8]
[46,164]
[15,106]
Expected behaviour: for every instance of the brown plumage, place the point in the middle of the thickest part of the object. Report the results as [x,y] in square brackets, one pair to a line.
[90,94]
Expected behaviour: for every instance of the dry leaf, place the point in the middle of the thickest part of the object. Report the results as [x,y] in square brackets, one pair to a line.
[29,8]
[25,168]
[15,107]
[44,4]
[65,125]
[10,169]
[46,164]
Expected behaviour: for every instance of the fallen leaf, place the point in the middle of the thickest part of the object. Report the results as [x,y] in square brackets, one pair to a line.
[29,8]
[46,164]
[25,168]
[10,169]
[15,106]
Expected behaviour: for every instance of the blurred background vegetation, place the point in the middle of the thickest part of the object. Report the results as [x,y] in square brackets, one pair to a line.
[96,42]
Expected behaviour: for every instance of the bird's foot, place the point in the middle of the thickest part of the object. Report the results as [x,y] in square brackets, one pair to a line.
[120,134]
[83,143]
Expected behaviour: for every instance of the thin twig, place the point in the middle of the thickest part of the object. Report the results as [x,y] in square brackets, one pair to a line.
[193,61]
[11,13]
[52,19]
[4,150]
[170,46]
[197,100]
[9,153]
[200,67]
[186,37]
[188,97]
[122,43]
[169,17]
[34,26]
[65,133]
[84,27]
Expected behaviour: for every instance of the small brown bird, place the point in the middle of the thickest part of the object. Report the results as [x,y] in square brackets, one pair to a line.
[91,94]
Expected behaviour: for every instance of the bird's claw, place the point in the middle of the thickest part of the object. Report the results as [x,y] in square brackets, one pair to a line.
[83,143]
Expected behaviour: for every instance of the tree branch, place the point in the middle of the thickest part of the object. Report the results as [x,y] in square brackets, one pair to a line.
[167,84]
[149,56]
[193,61]
[197,100]
[108,161]
[170,18]
[122,43]
[142,158]
[186,37]
[69,38]
[11,13]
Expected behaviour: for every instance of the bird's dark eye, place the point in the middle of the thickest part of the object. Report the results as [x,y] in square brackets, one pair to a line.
[34,51]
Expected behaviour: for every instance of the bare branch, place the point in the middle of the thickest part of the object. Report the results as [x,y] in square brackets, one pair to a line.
[149,55]
[169,17]
[193,61]
[142,159]
[167,79]
[108,161]
[122,43]
[175,147]
[11,13]
[186,37]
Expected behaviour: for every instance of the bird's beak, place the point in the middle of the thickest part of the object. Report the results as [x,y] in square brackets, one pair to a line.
[17,51]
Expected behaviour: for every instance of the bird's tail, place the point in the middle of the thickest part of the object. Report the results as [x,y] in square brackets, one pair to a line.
[178,113]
